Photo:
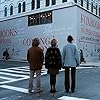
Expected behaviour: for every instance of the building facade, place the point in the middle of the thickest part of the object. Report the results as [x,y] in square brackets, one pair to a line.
[23,20]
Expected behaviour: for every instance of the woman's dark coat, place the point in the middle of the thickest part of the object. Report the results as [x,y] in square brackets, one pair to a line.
[53,60]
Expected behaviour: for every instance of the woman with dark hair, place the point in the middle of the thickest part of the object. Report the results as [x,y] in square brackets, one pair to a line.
[70,59]
[53,63]
[35,59]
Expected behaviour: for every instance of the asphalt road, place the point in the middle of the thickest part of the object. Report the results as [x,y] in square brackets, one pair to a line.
[14,84]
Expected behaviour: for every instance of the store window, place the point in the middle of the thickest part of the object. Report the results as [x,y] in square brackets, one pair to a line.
[11,10]
[32,4]
[40,18]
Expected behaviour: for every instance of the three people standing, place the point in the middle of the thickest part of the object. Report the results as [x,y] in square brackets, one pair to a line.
[70,58]
[53,62]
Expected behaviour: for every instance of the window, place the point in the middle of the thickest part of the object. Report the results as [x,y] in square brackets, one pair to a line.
[82,3]
[19,8]
[87,4]
[75,1]
[24,6]
[11,10]
[47,2]
[40,18]
[32,4]
[5,11]
[64,1]
[91,6]
[96,8]
[53,2]
[38,4]
[99,10]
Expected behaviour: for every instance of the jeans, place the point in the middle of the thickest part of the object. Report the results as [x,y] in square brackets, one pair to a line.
[38,80]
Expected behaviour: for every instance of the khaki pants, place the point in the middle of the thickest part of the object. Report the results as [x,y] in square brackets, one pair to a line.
[38,80]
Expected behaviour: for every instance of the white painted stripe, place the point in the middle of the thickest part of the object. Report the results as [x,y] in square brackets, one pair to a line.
[6,78]
[10,74]
[8,70]
[14,88]
[71,98]
[19,79]
[19,67]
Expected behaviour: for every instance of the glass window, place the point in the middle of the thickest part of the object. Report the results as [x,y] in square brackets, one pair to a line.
[91,6]
[64,1]
[82,3]
[40,18]
[30,20]
[75,1]
[96,8]
[5,11]
[32,4]
[11,10]
[19,8]
[38,4]
[53,2]
[88,4]
[24,6]
[99,11]
[47,2]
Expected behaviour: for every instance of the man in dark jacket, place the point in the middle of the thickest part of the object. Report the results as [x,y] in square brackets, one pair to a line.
[35,59]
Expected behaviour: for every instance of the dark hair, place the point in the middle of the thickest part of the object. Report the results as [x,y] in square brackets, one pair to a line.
[35,42]
[70,38]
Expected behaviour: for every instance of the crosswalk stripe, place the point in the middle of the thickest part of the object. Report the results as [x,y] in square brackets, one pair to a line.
[14,80]
[71,98]
[14,88]
[10,74]
[6,78]
[14,71]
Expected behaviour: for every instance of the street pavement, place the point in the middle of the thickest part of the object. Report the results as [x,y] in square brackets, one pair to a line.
[14,83]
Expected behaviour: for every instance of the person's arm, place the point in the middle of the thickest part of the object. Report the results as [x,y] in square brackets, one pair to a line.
[77,56]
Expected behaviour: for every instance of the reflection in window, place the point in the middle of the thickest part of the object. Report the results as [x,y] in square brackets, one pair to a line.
[5,11]
[11,10]
[24,6]
[32,4]
[40,18]
[19,8]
